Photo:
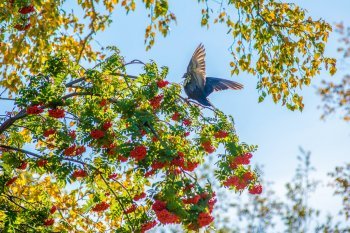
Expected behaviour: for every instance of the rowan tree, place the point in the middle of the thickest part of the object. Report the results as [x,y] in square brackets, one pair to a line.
[92,148]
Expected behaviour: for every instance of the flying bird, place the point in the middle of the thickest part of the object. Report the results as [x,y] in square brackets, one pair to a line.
[197,86]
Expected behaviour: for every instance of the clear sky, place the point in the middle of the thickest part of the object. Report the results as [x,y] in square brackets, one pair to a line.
[277,131]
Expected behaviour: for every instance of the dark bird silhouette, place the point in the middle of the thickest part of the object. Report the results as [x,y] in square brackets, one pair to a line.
[197,86]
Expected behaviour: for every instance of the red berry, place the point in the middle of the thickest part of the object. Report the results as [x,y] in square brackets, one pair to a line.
[165,217]
[162,83]
[158,205]
[49,222]
[193,200]
[122,158]
[211,204]
[178,161]
[49,132]
[101,207]
[221,134]
[107,125]
[130,209]
[97,134]
[80,150]
[103,103]
[257,189]
[72,134]
[139,152]
[113,176]
[34,110]
[236,182]
[149,173]
[155,102]
[23,165]
[140,196]
[26,9]
[56,113]
[147,226]
[204,219]
[190,166]
[11,181]
[79,173]
[53,209]
[187,122]
[69,151]
[42,162]
[176,116]
[208,147]
[21,27]
[248,176]
[154,139]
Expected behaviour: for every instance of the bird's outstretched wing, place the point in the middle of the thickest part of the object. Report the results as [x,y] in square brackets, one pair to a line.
[196,67]
[218,84]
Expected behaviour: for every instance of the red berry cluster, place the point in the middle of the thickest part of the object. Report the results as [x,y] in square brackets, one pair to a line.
[149,173]
[20,27]
[221,134]
[190,166]
[26,9]
[178,161]
[147,226]
[11,181]
[193,200]
[42,162]
[131,209]
[35,109]
[139,152]
[97,134]
[113,176]
[103,103]
[163,215]
[23,165]
[72,134]
[121,158]
[107,125]
[139,196]
[241,160]
[204,219]
[176,116]
[187,122]
[53,209]
[56,113]
[79,173]
[80,150]
[101,207]
[49,132]
[239,182]
[256,189]
[156,101]
[49,222]
[74,150]
[162,83]
[158,165]
[208,147]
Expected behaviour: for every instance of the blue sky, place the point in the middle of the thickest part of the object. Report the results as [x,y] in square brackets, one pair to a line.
[277,131]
